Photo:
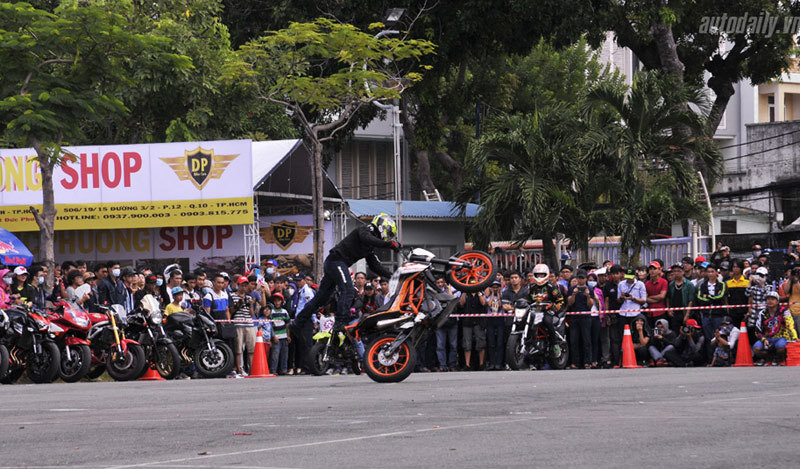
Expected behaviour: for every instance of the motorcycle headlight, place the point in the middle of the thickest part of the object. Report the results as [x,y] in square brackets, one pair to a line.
[55,328]
[82,320]
[520,313]
[155,317]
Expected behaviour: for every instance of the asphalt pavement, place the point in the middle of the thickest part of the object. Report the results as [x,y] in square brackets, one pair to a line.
[722,417]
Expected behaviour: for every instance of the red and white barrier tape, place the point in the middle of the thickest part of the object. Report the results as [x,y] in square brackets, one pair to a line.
[609,311]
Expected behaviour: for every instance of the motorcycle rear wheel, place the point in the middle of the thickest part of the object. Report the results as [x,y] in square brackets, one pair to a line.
[216,363]
[315,359]
[5,361]
[43,367]
[514,359]
[128,366]
[168,364]
[74,368]
[477,278]
[561,362]
[389,369]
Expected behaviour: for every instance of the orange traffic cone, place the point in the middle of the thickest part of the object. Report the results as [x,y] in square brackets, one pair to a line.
[628,355]
[744,356]
[260,368]
[151,375]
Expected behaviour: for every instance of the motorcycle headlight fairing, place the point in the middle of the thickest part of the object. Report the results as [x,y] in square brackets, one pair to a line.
[520,313]
[155,316]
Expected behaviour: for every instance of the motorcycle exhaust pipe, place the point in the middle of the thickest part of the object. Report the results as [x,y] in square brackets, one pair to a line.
[388,322]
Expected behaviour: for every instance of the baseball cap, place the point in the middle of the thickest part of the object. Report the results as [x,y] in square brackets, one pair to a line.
[692,323]
[273,262]
[630,273]
[581,273]
[724,248]
[756,247]
[20,271]
[299,277]
[725,265]
[699,259]
[705,265]
[726,320]
[655,264]
[774,294]
[277,295]
[225,276]
[176,290]
[127,272]
[369,286]
[762,271]
[496,283]
[676,267]
[242,280]
[151,279]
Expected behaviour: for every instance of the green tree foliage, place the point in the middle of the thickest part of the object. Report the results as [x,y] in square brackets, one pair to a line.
[323,73]
[62,64]
[631,132]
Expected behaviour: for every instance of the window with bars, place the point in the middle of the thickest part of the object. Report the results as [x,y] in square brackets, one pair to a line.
[366,170]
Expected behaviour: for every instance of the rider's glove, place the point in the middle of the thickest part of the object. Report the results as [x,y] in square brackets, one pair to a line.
[394,245]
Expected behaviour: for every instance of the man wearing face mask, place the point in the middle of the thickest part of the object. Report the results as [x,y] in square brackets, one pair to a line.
[111,289]
[38,274]
[150,288]
[270,269]
[756,254]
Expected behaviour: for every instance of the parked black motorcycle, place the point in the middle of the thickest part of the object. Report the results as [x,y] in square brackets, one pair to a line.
[194,336]
[145,326]
[4,358]
[121,357]
[31,347]
[529,342]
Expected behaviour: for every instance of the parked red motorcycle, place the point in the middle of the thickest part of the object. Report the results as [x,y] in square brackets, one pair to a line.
[71,325]
[122,358]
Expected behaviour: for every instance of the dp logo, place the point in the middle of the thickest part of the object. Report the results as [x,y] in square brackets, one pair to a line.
[199,166]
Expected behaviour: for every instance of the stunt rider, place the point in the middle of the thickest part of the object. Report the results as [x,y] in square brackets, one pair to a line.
[359,244]
[542,291]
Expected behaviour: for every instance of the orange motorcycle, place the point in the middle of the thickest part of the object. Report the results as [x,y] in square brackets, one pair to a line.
[417,307]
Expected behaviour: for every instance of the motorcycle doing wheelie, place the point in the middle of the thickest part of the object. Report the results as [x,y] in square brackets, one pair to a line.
[71,325]
[417,307]
[31,346]
[194,336]
[121,357]
[145,325]
[530,342]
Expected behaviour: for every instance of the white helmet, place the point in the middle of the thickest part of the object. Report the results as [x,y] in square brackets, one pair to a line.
[541,273]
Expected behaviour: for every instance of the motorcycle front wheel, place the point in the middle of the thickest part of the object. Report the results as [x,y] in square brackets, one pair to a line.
[385,368]
[5,361]
[43,367]
[316,359]
[77,364]
[515,359]
[215,363]
[128,365]
[168,363]
[478,277]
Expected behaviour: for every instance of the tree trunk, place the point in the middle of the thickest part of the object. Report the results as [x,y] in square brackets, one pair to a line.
[317,205]
[452,166]
[424,171]
[549,251]
[47,218]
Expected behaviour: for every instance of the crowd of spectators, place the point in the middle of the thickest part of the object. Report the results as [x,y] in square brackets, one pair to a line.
[658,303]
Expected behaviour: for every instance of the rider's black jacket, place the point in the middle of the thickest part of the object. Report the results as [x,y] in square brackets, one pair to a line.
[546,293]
[360,244]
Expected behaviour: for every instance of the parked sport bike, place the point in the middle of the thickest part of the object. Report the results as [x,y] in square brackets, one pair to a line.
[194,336]
[121,357]
[145,325]
[71,325]
[530,343]
[417,307]
[30,345]
[5,324]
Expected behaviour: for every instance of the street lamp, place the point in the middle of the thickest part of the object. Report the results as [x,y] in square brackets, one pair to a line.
[391,18]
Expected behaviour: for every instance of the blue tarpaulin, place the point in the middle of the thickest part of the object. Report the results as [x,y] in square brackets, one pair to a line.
[12,251]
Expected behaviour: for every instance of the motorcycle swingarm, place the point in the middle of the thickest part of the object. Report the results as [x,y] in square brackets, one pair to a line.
[401,338]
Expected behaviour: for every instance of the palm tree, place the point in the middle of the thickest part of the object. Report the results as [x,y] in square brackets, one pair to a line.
[633,130]
[528,170]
